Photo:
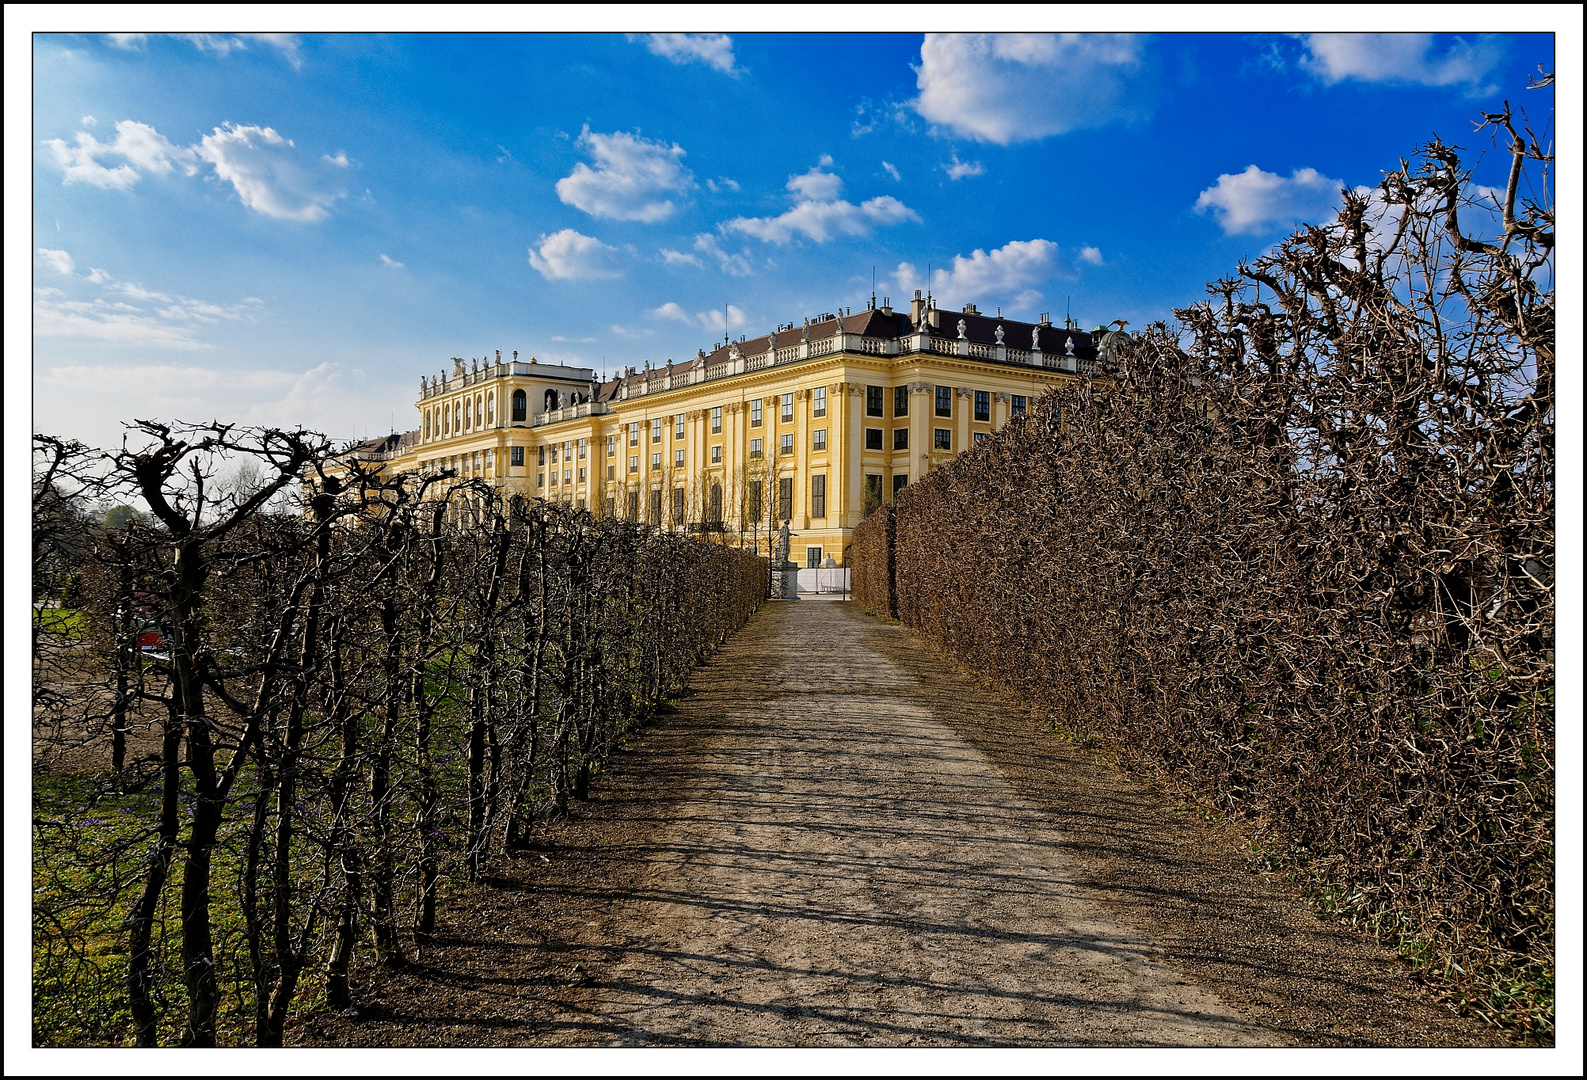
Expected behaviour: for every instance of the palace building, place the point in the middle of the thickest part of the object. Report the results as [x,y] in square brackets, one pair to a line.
[814,424]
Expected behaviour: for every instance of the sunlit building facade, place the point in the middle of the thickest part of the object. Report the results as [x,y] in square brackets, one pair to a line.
[814,424]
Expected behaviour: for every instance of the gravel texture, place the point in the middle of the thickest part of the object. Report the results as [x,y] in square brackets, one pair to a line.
[839,840]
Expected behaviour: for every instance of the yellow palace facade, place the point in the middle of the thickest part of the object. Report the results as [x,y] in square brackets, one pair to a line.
[814,424]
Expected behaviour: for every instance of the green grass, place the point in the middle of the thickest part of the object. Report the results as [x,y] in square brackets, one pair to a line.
[67,622]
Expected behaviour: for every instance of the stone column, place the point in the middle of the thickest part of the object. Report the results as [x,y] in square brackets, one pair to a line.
[801,499]
[964,405]
[921,421]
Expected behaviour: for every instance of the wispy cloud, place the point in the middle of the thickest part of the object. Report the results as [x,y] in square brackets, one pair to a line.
[126,313]
[270,176]
[569,255]
[389,261]
[892,170]
[731,319]
[1256,201]
[715,51]
[1403,58]
[819,214]
[1008,88]
[267,171]
[631,180]
[54,259]
[958,170]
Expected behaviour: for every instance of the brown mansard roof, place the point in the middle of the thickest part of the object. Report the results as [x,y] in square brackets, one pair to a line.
[877,323]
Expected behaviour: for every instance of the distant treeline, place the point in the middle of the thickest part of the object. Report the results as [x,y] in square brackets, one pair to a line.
[266,734]
[1298,553]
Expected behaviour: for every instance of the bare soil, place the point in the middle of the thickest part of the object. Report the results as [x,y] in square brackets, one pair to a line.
[838,839]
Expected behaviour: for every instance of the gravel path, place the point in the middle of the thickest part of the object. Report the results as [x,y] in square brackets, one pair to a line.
[837,840]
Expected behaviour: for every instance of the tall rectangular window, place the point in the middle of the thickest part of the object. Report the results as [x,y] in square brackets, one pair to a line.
[754,413]
[818,495]
[1018,406]
[983,405]
[873,438]
[784,498]
[517,455]
[820,440]
[812,557]
[755,448]
[873,401]
[873,492]
[633,506]
[633,463]
[900,401]
[787,408]
[611,472]
[752,501]
[820,401]
[787,444]
[900,481]
[944,401]
[584,448]
[716,455]
[655,506]
[677,459]
[677,426]
[611,446]
[716,420]
[554,450]
[633,434]
[900,438]
[655,460]
[677,506]
[944,440]
[583,475]
[655,430]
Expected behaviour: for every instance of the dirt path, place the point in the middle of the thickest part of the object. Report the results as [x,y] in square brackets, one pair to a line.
[838,842]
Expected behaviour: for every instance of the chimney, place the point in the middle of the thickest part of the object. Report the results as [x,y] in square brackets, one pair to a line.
[887,305]
[917,311]
[1045,319]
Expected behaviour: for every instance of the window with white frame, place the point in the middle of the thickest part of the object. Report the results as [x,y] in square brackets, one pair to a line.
[819,401]
[819,440]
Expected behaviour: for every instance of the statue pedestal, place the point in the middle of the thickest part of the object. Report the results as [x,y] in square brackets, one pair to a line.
[785,582]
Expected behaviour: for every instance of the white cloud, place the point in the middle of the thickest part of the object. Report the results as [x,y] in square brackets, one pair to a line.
[958,170]
[625,332]
[389,261]
[130,42]
[819,214]
[823,221]
[1007,88]
[1091,255]
[268,174]
[571,256]
[1255,201]
[816,184]
[226,44]
[735,264]
[1401,58]
[892,170]
[1010,269]
[710,320]
[631,178]
[713,50]
[157,319]
[88,121]
[565,339]
[139,144]
[722,183]
[680,258]
[59,261]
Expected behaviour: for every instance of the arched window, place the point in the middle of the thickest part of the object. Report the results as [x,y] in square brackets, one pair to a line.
[490,407]
[457,416]
[551,400]
[426,423]
[468,414]
[520,405]
[446,419]
[479,410]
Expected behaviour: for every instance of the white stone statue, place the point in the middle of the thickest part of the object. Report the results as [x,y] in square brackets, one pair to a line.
[962,335]
[999,333]
[779,553]
[1069,345]
[1035,339]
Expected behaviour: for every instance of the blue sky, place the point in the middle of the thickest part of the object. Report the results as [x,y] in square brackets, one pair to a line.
[292,229]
